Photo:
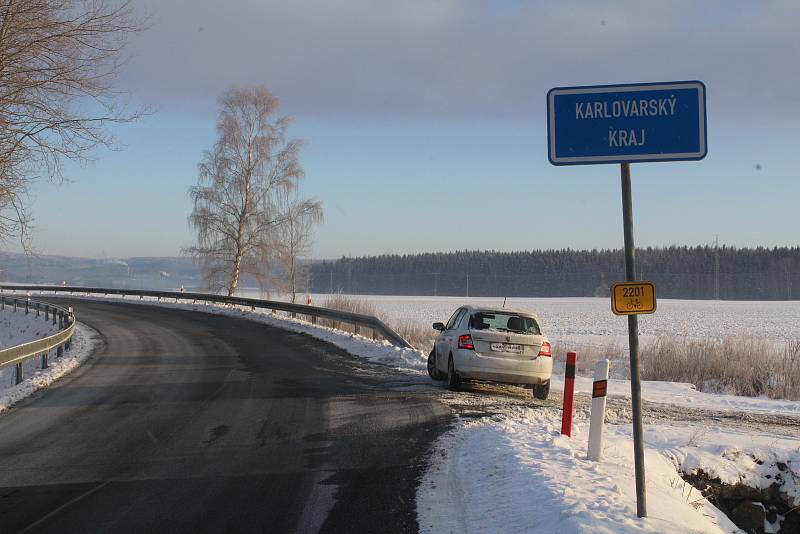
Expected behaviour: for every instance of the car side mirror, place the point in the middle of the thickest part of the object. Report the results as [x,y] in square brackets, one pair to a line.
[438,326]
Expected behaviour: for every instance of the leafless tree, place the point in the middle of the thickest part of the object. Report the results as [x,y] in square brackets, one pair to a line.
[242,179]
[293,243]
[58,61]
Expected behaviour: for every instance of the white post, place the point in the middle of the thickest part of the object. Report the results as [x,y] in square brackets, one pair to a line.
[598,410]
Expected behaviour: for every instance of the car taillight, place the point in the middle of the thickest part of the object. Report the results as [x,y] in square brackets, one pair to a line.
[546,349]
[465,342]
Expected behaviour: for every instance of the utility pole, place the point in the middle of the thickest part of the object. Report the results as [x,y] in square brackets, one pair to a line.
[468,284]
[716,268]
[330,288]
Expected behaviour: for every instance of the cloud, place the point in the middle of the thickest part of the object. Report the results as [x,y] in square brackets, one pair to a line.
[457,58]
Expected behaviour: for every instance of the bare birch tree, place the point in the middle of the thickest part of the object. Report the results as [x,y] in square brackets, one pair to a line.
[293,243]
[242,179]
[58,61]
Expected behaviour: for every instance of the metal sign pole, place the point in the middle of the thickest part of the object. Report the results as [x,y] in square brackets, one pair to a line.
[633,340]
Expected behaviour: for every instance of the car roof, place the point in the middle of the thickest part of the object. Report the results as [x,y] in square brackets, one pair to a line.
[517,311]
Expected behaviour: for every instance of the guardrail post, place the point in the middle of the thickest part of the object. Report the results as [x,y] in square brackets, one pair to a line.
[60,320]
[356,329]
[15,305]
[37,309]
[27,306]
[60,351]
[18,373]
[44,361]
[54,316]
[47,313]
[374,335]
[313,319]
[2,303]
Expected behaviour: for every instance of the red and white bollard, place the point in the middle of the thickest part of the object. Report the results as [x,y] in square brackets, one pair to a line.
[599,390]
[569,394]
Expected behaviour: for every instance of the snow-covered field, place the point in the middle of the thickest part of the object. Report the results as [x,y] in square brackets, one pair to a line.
[580,322]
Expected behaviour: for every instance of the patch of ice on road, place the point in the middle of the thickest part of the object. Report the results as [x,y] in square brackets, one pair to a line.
[516,473]
[83,342]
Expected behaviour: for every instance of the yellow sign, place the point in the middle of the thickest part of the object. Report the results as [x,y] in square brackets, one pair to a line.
[632,298]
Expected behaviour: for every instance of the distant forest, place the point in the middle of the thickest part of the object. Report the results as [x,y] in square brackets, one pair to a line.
[727,273]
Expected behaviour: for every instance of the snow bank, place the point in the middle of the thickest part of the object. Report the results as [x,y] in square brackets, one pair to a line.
[83,342]
[755,459]
[516,473]
[372,350]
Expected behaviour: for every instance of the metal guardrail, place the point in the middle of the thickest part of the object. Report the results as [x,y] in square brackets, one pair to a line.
[378,328]
[60,341]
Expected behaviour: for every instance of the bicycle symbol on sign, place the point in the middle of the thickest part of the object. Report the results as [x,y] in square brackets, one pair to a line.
[634,304]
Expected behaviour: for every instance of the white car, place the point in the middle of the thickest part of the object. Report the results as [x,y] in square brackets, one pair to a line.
[495,345]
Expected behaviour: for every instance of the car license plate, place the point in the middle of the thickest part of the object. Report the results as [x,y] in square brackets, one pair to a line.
[506,347]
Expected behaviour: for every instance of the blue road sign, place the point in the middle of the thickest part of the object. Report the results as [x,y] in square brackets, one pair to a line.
[626,123]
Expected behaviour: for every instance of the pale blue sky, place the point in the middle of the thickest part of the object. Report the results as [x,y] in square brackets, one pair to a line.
[425,117]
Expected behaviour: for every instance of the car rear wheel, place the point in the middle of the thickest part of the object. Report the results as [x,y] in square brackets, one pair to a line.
[433,372]
[453,380]
[541,391]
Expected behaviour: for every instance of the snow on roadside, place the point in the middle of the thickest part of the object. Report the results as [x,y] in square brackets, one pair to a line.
[686,395]
[372,350]
[515,473]
[20,327]
[83,342]
[757,460]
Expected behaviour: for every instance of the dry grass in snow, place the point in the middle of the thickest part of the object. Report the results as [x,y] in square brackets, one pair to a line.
[421,337]
[738,366]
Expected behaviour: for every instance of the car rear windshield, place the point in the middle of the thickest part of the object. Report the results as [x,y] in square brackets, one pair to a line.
[505,322]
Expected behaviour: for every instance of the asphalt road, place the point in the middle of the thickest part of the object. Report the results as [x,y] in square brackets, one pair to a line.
[191,422]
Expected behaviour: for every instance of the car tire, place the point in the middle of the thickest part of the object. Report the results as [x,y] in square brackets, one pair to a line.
[453,380]
[433,372]
[541,391]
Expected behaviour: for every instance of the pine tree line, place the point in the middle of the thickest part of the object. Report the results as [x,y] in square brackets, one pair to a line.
[703,272]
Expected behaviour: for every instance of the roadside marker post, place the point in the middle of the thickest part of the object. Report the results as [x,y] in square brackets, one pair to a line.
[569,394]
[628,124]
[598,420]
